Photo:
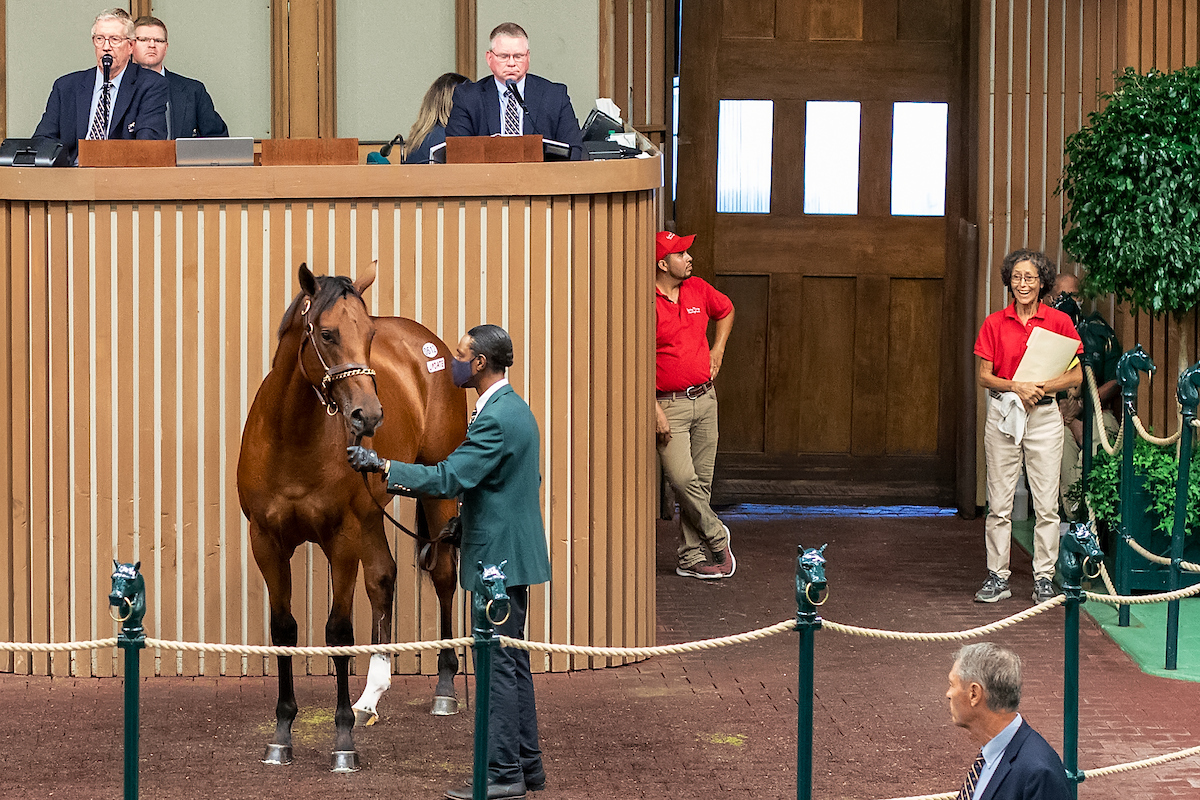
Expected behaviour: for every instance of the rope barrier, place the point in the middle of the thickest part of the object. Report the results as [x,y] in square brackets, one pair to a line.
[1146,599]
[58,647]
[1096,406]
[1160,441]
[1186,566]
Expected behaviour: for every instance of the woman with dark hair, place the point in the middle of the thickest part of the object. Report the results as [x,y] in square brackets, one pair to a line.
[430,127]
[1029,276]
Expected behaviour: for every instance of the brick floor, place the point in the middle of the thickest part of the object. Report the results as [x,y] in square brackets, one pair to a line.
[716,723]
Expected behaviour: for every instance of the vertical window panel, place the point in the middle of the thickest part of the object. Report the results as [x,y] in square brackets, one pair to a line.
[745,132]
[831,145]
[919,159]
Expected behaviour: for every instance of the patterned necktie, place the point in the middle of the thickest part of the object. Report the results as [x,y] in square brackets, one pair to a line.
[968,787]
[474,414]
[512,119]
[99,129]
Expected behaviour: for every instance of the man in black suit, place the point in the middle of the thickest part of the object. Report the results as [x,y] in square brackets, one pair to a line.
[487,107]
[1015,762]
[191,112]
[131,105]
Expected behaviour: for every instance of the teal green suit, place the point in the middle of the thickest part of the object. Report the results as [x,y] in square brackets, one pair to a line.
[496,473]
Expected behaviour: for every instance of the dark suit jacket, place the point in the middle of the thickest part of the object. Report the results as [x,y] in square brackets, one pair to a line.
[476,112]
[192,111]
[421,154]
[140,110]
[496,472]
[1028,770]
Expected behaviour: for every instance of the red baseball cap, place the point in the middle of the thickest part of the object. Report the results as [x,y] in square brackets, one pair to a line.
[667,243]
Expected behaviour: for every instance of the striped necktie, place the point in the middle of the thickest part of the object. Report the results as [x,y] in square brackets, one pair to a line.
[968,786]
[99,129]
[512,117]
[474,414]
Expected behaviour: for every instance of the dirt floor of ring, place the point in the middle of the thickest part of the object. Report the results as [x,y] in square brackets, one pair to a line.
[713,723]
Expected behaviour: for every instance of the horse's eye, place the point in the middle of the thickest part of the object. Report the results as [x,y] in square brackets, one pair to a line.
[327,335]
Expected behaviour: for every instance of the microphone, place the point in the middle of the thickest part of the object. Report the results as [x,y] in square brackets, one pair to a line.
[386,150]
[511,85]
[106,60]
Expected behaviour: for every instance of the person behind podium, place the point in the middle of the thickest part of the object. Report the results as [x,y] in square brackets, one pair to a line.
[191,112]
[131,104]
[430,128]
[488,107]
[1023,423]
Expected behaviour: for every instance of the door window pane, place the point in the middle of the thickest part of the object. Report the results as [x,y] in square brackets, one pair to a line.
[831,134]
[919,159]
[744,136]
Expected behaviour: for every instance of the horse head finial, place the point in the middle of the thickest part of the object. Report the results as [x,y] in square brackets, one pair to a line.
[1188,390]
[1098,337]
[1130,363]
[810,579]
[493,599]
[1079,556]
[127,600]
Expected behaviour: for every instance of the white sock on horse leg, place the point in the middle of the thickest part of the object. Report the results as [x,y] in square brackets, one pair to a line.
[379,678]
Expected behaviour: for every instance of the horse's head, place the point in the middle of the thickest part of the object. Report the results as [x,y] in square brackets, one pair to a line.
[1132,362]
[1079,555]
[1098,337]
[810,577]
[335,350]
[1188,391]
[128,595]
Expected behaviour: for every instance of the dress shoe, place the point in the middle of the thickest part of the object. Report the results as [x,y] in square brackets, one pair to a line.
[495,791]
[533,782]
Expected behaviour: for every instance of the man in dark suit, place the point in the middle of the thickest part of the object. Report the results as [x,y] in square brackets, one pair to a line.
[1015,762]
[496,473]
[487,107]
[131,105]
[191,111]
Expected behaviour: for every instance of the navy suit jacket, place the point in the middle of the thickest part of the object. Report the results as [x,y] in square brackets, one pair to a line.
[192,111]
[476,112]
[140,110]
[496,471]
[421,155]
[1028,770]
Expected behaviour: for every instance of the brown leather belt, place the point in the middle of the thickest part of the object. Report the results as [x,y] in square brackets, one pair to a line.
[1045,401]
[690,393]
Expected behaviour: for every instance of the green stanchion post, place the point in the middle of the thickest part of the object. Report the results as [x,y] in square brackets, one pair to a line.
[128,598]
[810,583]
[1094,332]
[1127,373]
[1188,395]
[1079,556]
[489,608]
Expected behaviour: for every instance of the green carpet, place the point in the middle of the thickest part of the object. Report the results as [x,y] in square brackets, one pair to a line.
[1145,639]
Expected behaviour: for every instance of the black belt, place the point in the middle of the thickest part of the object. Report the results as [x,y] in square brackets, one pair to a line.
[1046,400]
[691,393]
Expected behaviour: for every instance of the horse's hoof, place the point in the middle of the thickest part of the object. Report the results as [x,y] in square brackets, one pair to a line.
[278,754]
[444,706]
[364,717]
[344,761]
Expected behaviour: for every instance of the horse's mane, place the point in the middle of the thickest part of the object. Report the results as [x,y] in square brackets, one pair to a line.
[330,289]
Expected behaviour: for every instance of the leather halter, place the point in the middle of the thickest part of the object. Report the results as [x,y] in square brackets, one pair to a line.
[332,374]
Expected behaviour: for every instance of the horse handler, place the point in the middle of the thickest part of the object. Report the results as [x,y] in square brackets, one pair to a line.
[495,471]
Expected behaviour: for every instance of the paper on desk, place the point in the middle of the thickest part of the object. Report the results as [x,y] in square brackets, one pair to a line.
[1047,355]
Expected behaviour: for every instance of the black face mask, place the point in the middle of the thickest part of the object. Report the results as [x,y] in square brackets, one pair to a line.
[460,372]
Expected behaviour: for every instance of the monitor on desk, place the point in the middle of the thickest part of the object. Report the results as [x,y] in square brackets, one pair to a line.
[217,151]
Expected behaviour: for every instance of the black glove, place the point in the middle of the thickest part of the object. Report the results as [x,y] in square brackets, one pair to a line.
[364,459]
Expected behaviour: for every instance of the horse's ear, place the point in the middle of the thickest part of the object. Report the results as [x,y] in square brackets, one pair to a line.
[308,282]
[366,277]
[116,566]
[137,567]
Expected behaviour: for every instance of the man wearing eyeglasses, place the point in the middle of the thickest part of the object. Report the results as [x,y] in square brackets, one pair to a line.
[191,112]
[488,107]
[131,104]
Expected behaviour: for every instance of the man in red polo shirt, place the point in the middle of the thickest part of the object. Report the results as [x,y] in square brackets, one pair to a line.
[1023,423]
[686,412]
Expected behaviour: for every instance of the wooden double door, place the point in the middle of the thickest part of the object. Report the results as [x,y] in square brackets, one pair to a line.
[848,331]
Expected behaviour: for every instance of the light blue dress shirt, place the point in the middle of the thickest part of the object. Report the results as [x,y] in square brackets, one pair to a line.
[505,98]
[115,81]
[993,751]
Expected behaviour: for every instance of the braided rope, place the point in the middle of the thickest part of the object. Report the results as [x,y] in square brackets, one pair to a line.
[1186,566]
[352,650]
[58,647]
[1108,584]
[1145,762]
[948,636]
[1111,449]
[1145,599]
[663,650]
[1145,434]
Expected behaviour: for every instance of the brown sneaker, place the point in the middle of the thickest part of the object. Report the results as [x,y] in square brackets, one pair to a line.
[724,560]
[704,571]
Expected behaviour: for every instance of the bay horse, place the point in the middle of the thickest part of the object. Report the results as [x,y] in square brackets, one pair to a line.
[335,371]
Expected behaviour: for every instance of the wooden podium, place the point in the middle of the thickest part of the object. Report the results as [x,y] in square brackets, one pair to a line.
[493,149]
[126,153]
[309,152]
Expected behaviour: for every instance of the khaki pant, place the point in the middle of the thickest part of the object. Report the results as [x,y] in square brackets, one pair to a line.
[687,462]
[1072,461]
[1041,451]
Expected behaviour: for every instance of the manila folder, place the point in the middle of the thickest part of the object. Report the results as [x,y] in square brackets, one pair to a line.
[1047,355]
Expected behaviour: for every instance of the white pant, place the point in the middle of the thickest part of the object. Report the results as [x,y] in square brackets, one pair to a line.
[1041,450]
